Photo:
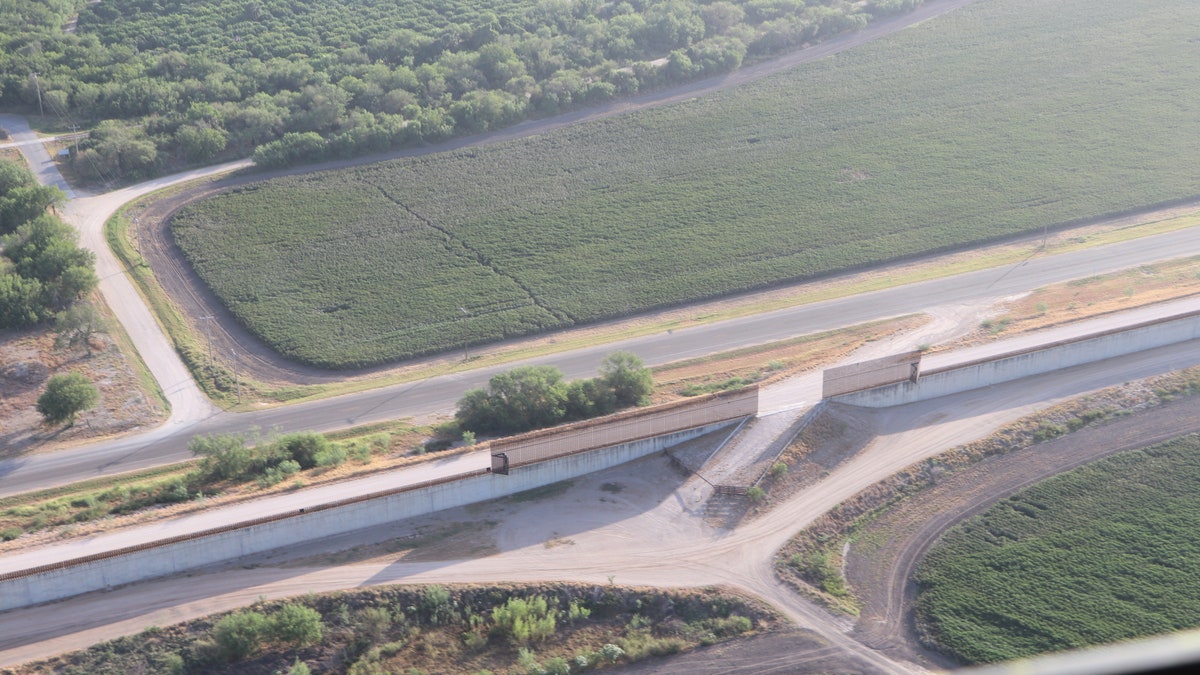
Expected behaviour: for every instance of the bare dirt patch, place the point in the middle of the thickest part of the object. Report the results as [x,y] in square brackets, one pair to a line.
[775,361]
[28,359]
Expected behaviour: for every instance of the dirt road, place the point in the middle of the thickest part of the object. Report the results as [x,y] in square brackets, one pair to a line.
[651,532]
[881,576]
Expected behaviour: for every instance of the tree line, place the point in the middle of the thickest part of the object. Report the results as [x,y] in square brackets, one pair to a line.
[166,83]
[534,397]
[43,271]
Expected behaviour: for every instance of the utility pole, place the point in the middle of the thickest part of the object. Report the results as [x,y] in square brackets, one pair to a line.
[37,84]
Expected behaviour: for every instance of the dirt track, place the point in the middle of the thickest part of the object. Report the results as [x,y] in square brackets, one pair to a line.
[881,574]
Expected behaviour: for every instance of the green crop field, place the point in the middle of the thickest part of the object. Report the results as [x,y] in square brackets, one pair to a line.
[997,119]
[1103,553]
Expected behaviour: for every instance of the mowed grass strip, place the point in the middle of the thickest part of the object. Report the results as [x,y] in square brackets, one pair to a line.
[1103,553]
[1000,118]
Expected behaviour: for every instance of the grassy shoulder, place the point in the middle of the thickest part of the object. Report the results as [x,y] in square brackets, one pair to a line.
[813,561]
[236,469]
[568,228]
[129,398]
[218,380]
[536,629]
[84,508]
[1106,552]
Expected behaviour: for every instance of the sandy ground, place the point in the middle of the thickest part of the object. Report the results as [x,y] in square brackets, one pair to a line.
[642,523]
[28,359]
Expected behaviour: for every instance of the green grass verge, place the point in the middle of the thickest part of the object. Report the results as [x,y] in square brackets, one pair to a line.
[218,382]
[997,119]
[69,506]
[1103,553]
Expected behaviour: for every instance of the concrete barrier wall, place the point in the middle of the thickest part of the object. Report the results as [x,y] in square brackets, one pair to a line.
[233,542]
[1008,367]
[623,427]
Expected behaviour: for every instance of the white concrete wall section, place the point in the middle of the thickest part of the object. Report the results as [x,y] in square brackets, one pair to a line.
[1006,367]
[232,543]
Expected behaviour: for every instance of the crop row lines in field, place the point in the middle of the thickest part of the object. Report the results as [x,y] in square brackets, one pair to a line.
[478,256]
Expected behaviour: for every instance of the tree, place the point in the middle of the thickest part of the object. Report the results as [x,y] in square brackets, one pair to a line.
[589,398]
[631,382]
[293,148]
[201,142]
[22,203]
[65,396]
[20,300]
[43,251]
[529,397]
[76,326]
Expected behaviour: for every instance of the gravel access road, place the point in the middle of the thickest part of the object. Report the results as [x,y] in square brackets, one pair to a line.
[653,532]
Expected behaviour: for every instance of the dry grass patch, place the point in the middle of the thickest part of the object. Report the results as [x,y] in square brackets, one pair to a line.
[1093,296]
[769,362]
[29,358]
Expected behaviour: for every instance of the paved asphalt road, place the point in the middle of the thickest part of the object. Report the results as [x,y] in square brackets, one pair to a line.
[439,394]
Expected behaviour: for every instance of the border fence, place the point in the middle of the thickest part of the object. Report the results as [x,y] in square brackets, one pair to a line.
[537,446]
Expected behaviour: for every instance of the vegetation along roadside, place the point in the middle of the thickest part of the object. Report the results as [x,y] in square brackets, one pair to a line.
[551,629]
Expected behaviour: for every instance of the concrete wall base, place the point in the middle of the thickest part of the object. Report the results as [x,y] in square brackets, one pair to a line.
[1024,364]
[205,550]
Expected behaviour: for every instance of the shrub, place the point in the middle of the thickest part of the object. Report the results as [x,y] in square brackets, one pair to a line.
[240,635]
[299,668]
[297,625]
[225,456]
[524,621]
[303,448]
[170,664]
[371,625]
[66,395]
[438,606]
[331,456]
[756,494]
[557,666]
[173,492]
[577,612]
[11,533]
